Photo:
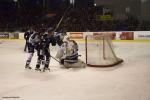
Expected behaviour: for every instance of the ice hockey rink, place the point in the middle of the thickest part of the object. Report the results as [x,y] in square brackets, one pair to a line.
[127,81]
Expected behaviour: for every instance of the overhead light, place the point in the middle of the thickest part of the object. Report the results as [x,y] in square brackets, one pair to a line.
[15,0]
[143,0]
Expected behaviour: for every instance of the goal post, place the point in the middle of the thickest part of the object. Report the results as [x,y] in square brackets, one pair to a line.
[99,51]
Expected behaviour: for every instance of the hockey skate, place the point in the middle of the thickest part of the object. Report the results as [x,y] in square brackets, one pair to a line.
[46,69]
[27,66]
[37,68]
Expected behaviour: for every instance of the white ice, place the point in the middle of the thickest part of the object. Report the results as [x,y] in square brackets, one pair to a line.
[127,81]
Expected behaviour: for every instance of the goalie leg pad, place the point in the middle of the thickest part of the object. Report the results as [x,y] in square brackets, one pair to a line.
[78,64]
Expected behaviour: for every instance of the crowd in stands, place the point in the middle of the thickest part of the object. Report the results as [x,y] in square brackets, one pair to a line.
[76,19]
[83,19]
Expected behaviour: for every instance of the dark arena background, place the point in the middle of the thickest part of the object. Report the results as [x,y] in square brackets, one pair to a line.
[98,15]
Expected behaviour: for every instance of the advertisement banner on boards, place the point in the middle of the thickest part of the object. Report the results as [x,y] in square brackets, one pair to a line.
[76,35]
[142,35]
[127,36]
[111,34]
[4,35]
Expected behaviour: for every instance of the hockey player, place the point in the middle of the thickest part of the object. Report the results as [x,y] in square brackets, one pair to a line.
[68,51]
[71,52]
[26,37]
[44,51]
[33,44]
[59,37]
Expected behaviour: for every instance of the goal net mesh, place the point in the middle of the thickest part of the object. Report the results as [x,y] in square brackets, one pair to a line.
[99,51]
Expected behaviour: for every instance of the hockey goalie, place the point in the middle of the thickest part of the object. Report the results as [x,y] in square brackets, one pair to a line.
[68,54]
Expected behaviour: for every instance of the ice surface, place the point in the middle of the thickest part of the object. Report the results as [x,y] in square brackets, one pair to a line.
[127,81]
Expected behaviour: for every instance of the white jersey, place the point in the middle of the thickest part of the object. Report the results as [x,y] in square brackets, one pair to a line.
[69,48]
[34,38]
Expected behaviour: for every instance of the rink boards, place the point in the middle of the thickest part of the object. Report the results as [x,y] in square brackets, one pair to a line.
[117,36]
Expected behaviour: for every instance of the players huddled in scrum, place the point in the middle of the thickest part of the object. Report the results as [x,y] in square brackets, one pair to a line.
[41,40]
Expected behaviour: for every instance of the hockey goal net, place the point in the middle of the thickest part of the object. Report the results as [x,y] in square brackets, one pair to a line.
[99,51]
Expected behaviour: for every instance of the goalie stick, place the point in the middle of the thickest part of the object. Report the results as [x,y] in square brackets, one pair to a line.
[58,60]
[55,59]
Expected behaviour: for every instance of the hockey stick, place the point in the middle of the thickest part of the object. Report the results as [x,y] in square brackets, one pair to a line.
[58,60]
[55,59]
[61,19]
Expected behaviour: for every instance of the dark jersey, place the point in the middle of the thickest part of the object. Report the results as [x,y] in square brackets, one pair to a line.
[27,35]
[58,38]
[46,41]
